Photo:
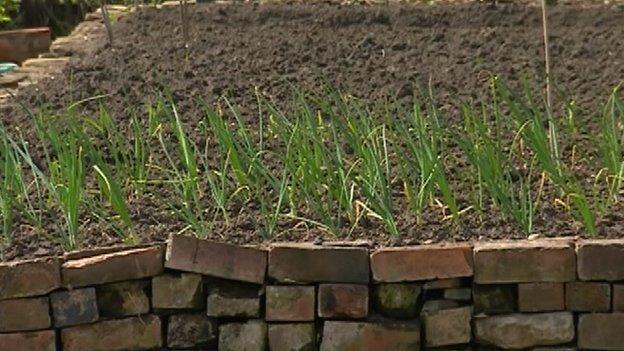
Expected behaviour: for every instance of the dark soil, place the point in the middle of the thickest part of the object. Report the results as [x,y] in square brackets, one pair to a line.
[373,52]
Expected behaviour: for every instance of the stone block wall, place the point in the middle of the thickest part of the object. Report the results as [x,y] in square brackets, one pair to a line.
[191,294]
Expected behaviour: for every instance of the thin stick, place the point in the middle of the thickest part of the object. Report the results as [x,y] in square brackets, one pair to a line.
[554,146]
[107,24]
[546,55]
[184,23]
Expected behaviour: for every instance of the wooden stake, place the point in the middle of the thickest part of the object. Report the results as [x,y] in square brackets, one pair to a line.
[546,56]
[184,21]
[107,24]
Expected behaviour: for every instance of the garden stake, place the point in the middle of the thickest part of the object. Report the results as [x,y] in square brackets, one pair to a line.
[184,23]
[546,55]
[107,24]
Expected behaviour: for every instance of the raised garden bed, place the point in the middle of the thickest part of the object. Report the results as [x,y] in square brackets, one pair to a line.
[398,142]
[159,139]
[554,294]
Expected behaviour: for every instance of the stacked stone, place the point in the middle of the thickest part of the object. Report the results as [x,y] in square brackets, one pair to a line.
[86,303]
[555,294]
[428,285]
[599,294]
[526,294]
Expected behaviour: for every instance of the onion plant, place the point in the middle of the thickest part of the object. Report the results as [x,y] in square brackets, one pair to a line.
[543,143]
[484,148]
[611,144]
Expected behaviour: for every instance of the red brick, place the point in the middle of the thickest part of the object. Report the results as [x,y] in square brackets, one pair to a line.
[74,307]
[360,336]
[24,43]
[290,303]
[524,330]
[113,267]
[220,260]
[495,299]
[601,259]
[397,300]
[588,297]
[305,263]
[234,299]
[250,335]
[448,326]
[422,263]
[135,333]
[440,284]
[524,262]
[343,301]
[601,331]
[123,299]
[541,297]
[618,297]
[98,251]
[182,291]
[191,330]
[44,340]
[292,337]
[29,278]
[24,314]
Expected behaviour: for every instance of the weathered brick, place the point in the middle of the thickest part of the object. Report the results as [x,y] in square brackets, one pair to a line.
[123,299]
[601,331]
[588,297]
[215,259]
[44,340]
[181,291]
[233,299]
[248,336]
[601,259]
[397,300]
[360,336]
[449,283]
[191,330]
[20,44]
[134,333]
[29,278]
[494,299]
[304,263]
[417,263]
[74,307]
[448,326]
[292,337]
[290,303]
[458,294]
[618,297]
[541,297]
[524,262]
[437,305]
[113,267]
[520,331]
[343,301]
[24,314]
[101,250]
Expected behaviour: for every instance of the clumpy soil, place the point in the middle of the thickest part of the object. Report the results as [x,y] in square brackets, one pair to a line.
[373,52]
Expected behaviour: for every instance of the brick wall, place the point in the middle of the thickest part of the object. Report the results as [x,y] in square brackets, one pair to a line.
[557,294]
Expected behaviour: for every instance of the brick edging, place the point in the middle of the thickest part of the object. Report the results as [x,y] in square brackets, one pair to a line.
[192,293]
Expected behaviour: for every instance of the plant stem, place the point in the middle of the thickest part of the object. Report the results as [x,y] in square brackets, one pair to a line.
[546,56]
[107,24]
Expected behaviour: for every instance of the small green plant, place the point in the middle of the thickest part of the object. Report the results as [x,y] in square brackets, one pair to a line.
[611,144]
[543,142]
[423,174]
[7,9]
[496,171]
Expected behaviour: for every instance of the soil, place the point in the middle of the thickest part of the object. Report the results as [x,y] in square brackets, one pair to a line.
[374,52]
